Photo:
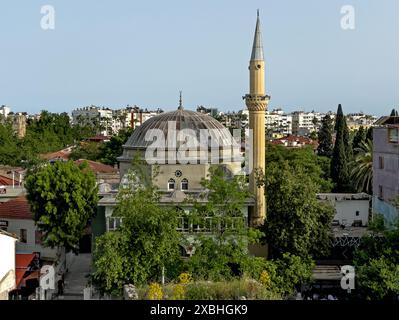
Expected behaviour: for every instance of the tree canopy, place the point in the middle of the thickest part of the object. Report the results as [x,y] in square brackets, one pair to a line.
[325,134]
[50,132]
[146,241]
[296,221]
[342,154]
[63,197]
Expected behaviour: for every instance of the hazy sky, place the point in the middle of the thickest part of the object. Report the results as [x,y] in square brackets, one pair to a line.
[115,53]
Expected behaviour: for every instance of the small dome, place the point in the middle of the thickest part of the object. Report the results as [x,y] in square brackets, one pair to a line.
[185,119]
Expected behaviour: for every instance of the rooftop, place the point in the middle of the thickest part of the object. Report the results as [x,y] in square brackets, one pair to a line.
[17,208]
[97,167]
[343,196]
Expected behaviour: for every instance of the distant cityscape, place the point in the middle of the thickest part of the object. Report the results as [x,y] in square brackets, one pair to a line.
[278,123]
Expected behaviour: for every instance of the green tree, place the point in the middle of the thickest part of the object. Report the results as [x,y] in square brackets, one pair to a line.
[362,168]
[146,242]
[342,154]
[379,279]
[296,221]
[325,147]
[358,139]
[369,134]
[63,197]
[316,167]
[377,264]
[112,149]
[225,199]
[86,150]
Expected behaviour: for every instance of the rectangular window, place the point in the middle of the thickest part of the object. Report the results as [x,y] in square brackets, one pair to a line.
[381,162]
[380,192]
[114,223]
[393,135]
[23,235]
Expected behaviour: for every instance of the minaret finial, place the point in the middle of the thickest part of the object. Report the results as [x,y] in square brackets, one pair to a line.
[257,48]
[180,101]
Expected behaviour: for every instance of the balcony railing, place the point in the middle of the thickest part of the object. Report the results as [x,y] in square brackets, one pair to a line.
[209,224]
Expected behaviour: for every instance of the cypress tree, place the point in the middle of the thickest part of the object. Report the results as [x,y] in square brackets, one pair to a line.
[341,156]
[325,147]
[347,141]
[369,135]
[359,137]
[394,113]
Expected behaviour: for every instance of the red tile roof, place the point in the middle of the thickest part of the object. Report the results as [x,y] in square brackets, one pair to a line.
[6,181]
[62,154]
[289,140]
[98,167]
[99,138]
[17,208]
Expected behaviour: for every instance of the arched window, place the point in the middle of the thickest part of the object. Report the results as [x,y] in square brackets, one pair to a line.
[184,184]
[171,184]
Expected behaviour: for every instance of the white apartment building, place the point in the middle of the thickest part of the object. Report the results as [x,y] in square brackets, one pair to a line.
[4,111]
[304,123]
[278,122]
[109,121]
[96,116]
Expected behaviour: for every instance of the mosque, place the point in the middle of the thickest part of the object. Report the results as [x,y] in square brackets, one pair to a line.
[204,142]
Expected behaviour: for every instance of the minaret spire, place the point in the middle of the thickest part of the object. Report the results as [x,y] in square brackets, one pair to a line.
[257,47]
[180,102]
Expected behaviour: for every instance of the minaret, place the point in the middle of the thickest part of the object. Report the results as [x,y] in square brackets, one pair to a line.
[257,102]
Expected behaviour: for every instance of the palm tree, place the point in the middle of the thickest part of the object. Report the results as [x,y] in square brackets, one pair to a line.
[362,167]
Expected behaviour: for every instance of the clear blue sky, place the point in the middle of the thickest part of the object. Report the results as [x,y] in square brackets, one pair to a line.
[115,53]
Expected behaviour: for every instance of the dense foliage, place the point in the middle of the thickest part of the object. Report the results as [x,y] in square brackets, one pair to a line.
[296,221]
[314,166]
[63,197]
[362,167]
[342,154]
[106,152]
[377,265]
[325,137]
[147,241]
[51,132]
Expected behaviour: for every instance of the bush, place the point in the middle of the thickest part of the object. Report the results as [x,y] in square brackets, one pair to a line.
[232,290]
[155,292]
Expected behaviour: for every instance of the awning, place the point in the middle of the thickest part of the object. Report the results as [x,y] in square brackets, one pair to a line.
[22,262]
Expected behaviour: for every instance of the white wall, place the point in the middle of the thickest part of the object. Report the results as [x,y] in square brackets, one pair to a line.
[346,210]
[7,264]
[15,225]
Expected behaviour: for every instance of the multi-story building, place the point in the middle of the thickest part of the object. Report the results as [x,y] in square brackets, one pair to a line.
[4,111]
[386,167]
[304,123]
[357,120]
[278,123]
[95,116]
[110,121]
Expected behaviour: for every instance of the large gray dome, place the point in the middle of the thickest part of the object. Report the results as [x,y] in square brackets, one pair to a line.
[184,119]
